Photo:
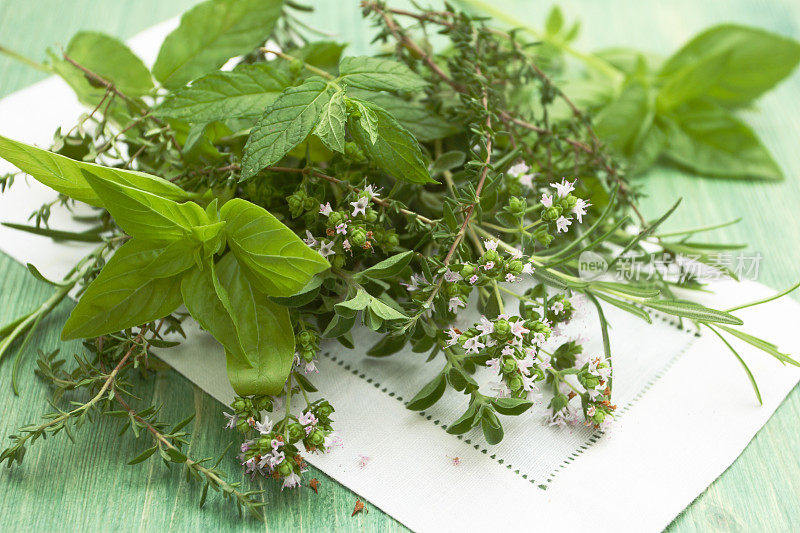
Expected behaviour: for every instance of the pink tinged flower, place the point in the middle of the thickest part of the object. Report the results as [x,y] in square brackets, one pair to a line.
[453,337]
[326,249]
[563,188]
[246,445]
[518,329]
[544,361]
[414,283]
[473,279]
[263,427]
[515,253]
[332,440]
[310,240]
[486,327]
[325,209]
[473,345]
[557,308]
[508,350]
[547,200]
[511,278]
[451,276]
[307,419]
[591,410]
[275,443]
[310,367]
[500,389]
[494,364]
[607,423]
[455,303]
[518,169]
[604,373]
[594,393]
[490,245]
[558,420]
[346,244]
[363,460]
[360,206]
[563,224]
[524,366]
[528,383]
[489,265]
[232,420]
[580,209]
[527,268]
[250,466]
[538,338]
[342,228]
[291,481]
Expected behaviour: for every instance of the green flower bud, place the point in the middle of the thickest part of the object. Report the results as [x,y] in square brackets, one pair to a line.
[502,329]
[517,205]
[551,213]
[317,437]
[392,241]
[371,215]
[336,218]
[467,271]
[264,443]
[240,404]
[559,402]
[310,203]
[509,365]
[285,468]
[490,255]
[515,383]
[324,409]
[514,267]
[242,425]
[262,403]
[453,290]
[296,432]
[337,260]
[358,237]
[568,202]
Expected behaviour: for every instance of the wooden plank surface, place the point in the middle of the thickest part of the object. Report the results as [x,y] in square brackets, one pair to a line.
[87,486]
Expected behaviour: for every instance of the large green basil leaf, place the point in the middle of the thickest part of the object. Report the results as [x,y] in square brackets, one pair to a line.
[140,283]
[286,123]
[738,63]
[211,33]
[145,215]
[710,140]
[256,333]
[242,93]
[273,257]
[378,74]
[65,175]
[626,119]
[395,150]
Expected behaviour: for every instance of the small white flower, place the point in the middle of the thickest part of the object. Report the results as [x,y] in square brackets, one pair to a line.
[453,337]
[371,191]
[310,367]
[473,279]
[547,200]
[486,327]
[557,308]
[490,244]
[455,303]
[473,345]
[564,188]
[508,350]
[526,180]
[580,209]
[232,420]
[511,278]
[307,419]
[529,383]
[607,423]
[538,338]
[494,364]
[264,427]
[527,268]
[562,224]
[544,360]
[346,244]
[291,481]
[341,228]
[360,206]
[326,249]
[518,329]
[518,169]
[451,276]
[310,240]
[414,283]
[489,265]
[515,254]
[325,209]
[591,410]
[524,366]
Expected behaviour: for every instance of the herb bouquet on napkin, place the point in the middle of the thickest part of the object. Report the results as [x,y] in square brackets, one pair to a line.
[281,197]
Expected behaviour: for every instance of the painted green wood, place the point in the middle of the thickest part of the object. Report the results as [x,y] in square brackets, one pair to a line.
[88,487]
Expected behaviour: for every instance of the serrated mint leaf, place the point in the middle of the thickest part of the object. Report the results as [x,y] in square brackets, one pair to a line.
[710,140]
[367,119]
[330,128]
[272,256]
[65,175]
[211,33]
[395,150]
[256,333]
[749,62]
[286,123]
[377,74]
[423,123]
[242,93]
[140,283]
[146,215]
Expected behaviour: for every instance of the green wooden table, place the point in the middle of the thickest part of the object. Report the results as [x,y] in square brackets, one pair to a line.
[87,486]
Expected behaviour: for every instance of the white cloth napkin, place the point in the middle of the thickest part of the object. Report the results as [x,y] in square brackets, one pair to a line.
[685,408]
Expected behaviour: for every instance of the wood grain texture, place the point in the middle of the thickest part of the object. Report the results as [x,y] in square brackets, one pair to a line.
[87,486]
